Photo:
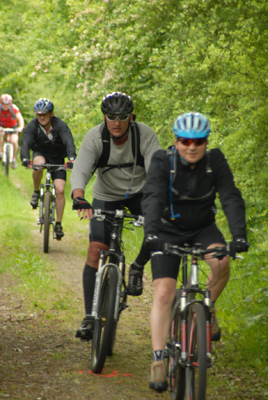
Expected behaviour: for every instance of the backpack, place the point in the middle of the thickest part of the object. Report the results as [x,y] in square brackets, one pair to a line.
[138,158]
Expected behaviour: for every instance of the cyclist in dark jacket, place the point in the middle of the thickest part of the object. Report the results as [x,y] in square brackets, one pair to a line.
[179,206]
[51,141]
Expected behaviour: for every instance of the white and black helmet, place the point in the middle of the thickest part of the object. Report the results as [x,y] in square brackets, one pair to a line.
[117,104]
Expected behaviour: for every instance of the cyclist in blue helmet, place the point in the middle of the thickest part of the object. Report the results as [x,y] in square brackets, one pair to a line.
[50,140]
[179,206]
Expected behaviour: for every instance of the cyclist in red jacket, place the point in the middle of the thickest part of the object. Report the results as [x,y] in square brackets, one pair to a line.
[10,117]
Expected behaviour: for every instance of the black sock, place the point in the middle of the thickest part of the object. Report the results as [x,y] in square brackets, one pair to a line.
[89,278]
[158,355]
[143,257]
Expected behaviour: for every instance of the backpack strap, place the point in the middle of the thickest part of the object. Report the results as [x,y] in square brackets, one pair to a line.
[136,144]
[172,154]
[103,160]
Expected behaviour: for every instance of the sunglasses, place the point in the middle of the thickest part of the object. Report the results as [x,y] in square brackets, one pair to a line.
[122,117]
[188,142]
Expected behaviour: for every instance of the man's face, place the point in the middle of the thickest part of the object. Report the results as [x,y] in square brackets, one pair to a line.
[44,119]
[5,107]
[117,128]
[191,151]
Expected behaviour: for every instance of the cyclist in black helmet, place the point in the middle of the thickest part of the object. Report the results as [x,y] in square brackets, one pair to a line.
[121,150]
[51,141]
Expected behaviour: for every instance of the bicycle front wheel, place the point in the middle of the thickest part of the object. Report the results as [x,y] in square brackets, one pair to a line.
[103,334]
[7,160]
[176,373]
[196,369]
[47,200]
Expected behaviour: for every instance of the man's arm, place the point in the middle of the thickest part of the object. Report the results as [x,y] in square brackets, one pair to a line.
[20,121]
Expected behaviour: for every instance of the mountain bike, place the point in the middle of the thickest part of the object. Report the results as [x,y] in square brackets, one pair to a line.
[47,204]
[110,294]
[188,349]
[7,148]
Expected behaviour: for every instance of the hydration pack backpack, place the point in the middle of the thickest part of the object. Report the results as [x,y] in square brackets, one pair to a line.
[135,137]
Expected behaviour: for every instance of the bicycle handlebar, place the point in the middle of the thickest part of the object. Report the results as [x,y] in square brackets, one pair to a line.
[219,252]
[49,166]
[9,130]
[118,214]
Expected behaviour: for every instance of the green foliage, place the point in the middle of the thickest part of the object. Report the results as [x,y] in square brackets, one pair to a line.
[170,56]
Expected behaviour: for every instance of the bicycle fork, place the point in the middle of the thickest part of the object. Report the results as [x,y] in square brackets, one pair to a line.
[184,307]
[41,206]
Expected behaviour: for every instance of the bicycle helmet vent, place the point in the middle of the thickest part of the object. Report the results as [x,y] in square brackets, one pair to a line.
[6,99]
[43,106]
[117,103]
[191,126]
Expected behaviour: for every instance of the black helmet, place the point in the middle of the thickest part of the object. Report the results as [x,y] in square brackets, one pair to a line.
[117,103]
[43,106]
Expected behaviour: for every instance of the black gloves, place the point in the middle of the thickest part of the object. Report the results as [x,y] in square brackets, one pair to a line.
[152,242]
[80,203]
[238,245]
[26,162]
[69,164]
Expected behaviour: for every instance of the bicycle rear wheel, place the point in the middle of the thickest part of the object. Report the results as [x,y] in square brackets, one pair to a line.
[47,200]
[196,370]
[104,324]
[176,372]
[7,160]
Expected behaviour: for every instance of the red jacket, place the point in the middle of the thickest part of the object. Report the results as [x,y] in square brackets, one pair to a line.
[8,118]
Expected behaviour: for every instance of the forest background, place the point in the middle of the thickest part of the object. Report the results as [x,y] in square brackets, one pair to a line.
[171,56]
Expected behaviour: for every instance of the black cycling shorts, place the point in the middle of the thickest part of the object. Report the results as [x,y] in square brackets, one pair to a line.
[99,231]
[61,174]
[165,266]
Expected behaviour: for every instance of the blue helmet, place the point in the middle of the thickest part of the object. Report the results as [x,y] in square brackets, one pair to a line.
[43,106]
[191,126]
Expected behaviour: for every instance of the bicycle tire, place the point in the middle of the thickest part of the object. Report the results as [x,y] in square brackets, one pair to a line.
[104,323]
[176,372]
[7,160]
[196,369]
[47,200]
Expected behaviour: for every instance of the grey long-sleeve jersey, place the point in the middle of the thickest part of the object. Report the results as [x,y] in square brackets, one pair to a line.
[112,185]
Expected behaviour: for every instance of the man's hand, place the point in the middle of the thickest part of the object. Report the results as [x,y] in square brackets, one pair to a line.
[69,164]
[82,205]
[238,245]
[152,242]
[26,163]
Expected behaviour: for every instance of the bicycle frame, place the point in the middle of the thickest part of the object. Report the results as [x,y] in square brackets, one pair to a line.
[44,187]
[188,349]
[189,288]
[110,292]
[7,148]
[47,205]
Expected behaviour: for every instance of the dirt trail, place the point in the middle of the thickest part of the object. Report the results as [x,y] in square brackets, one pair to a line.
[41,359]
